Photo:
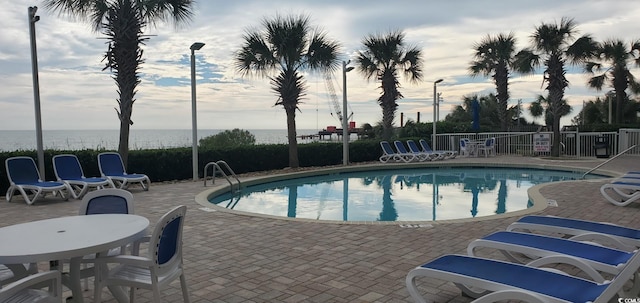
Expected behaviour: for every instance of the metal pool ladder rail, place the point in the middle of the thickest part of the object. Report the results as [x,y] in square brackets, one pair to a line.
[605,162]
[219,165]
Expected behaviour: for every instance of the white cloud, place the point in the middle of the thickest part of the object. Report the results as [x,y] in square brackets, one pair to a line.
[75,91]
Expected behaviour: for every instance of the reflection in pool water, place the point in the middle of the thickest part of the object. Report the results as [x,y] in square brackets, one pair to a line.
[396,195]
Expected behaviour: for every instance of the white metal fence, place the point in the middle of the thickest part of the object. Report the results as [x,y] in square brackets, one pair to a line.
[573,143]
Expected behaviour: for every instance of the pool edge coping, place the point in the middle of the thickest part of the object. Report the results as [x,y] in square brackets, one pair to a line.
[540,203]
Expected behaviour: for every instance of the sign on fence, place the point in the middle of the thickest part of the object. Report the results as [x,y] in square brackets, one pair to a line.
[541,142]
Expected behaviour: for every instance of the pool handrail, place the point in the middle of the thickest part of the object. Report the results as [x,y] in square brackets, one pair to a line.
[609,160]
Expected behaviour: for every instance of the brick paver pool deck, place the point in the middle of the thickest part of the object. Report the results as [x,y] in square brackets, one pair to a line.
[236,258]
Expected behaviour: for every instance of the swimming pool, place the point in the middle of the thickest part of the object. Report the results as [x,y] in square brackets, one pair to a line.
[396,195]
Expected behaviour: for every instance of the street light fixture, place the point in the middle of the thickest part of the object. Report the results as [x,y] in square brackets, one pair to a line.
[435,104]
[345,116]
[194,124]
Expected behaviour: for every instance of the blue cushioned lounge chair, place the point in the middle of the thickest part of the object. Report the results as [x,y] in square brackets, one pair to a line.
[111,167]
[24,177]
[422,155]
[512,281]
[388,154]
[534,246]
[581,230]
[68,170]
[445,154]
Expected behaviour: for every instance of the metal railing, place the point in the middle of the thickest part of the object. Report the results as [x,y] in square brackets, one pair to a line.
[609,160]
[218,166]
[573,143]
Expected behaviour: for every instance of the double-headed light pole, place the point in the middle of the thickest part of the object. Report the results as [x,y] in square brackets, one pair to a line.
[194,124]
[435,104]
[345,116]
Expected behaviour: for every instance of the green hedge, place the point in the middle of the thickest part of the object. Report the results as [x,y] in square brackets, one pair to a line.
[175,163]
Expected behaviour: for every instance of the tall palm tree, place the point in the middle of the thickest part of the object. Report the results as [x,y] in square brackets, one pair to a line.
[383,57]
[287,47]
[557,46]
[123,22]
[617,55]
[495,57]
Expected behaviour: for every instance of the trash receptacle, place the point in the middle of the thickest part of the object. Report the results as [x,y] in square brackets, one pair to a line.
[601,147]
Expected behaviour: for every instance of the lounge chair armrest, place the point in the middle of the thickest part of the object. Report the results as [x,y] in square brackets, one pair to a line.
[603,239]
[564,259]
[51,278]
[510,295]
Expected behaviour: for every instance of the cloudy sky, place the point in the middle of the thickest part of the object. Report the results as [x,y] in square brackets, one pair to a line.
[76,93]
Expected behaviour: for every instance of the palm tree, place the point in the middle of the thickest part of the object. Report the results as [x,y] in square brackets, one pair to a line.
[618,56]
[557,46]
[287,47]
[123,21]
[382,57]
[495,56]
[542,107]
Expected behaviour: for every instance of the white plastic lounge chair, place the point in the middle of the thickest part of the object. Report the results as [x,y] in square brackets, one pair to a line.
[388,154]
[621,192]
[161,266]
[612,235]
[422,155]
[111,167]
[444,154]
[512,281]
[24,177]
[403,152]
[488,148]
[28,289]
[535,246]
[67,169]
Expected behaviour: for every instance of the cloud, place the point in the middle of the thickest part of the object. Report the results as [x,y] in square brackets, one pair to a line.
[76,91]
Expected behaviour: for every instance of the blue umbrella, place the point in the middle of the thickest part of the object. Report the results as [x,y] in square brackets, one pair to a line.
[475,106]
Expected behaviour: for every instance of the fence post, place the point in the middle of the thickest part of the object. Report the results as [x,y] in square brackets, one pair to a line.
[577,142]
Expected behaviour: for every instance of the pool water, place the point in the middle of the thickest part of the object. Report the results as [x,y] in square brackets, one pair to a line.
[426,194]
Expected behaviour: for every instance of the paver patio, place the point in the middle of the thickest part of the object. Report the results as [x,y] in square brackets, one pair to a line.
[238,258]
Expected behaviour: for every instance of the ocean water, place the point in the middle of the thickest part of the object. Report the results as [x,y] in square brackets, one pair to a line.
[12,140]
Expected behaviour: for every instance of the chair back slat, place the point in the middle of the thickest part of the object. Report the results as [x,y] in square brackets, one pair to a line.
[22,170]
[107,201]
[111,164]
[165,246]
[386,147]
[168,245]
[107,205]
[67,167]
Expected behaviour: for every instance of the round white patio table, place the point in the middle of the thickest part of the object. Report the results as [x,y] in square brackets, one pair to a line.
[69,238]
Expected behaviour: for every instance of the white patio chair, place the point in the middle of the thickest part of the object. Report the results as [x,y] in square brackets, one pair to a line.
[488,148]
[28,289]
[161,266]
[13,272]
[103,201]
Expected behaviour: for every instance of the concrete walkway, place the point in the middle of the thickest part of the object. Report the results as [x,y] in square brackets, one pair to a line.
[237,258]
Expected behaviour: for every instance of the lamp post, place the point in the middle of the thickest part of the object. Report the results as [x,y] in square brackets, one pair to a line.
[194,124]
[345,116]
[36,88]
[435,105]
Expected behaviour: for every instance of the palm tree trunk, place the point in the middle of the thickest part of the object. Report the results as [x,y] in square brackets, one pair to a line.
[292,137]
[123,143]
